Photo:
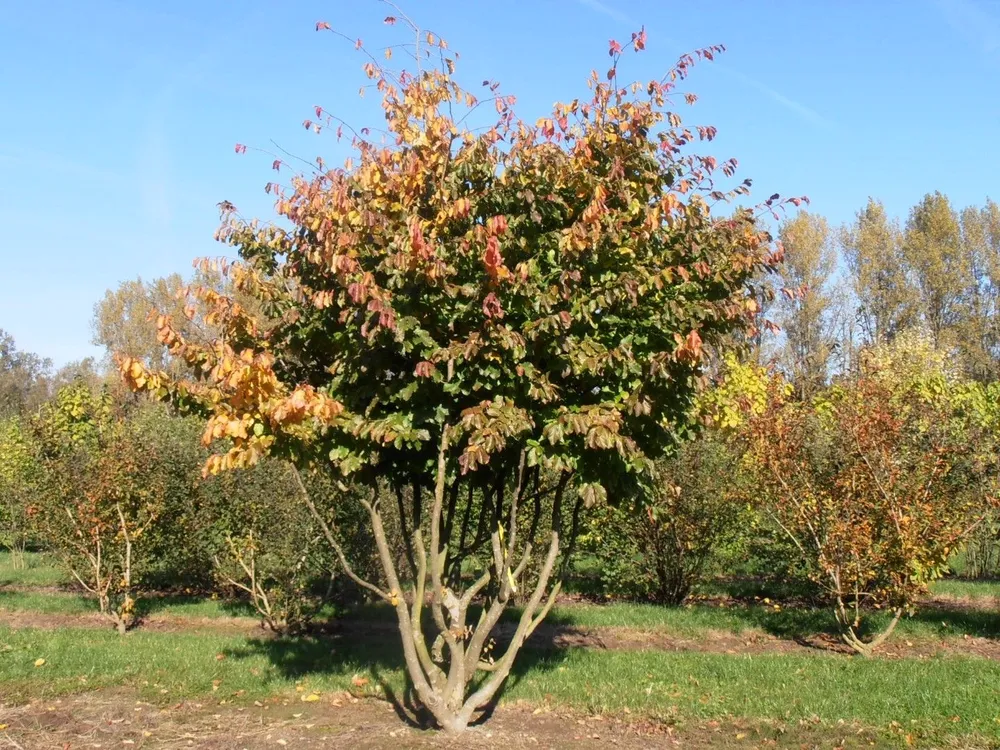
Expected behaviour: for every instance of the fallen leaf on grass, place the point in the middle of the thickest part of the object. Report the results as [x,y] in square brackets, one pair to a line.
[39,662]
[311,698]
[359,681]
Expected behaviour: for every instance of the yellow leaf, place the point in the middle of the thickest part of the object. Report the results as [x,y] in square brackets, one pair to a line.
[2,727]
[311,698]
[39,662]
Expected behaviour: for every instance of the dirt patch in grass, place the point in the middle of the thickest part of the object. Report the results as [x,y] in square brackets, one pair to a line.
[32,588]
[117,719]
[157,623]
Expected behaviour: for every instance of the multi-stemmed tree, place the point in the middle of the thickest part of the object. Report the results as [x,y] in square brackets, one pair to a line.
[101,495]
[488,329]
[878,479]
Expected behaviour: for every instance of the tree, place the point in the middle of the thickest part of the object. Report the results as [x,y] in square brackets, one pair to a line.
[659,548]
[979,334]
[268,547]
[810,261]
[121,322]
[20,486]
[932,248]
[23,384]
[885,295]
[101,496]
[491,325]
[85,371]
[121,319]
[877,480]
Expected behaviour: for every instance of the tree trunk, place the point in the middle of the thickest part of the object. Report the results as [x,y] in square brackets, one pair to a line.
[849,634]
[441,673]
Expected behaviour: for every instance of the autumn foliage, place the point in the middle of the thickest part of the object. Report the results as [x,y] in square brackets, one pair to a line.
[101,496]
[876,480]
[476,319]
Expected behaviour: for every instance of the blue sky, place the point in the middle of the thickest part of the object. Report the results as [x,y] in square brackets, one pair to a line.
[119,118]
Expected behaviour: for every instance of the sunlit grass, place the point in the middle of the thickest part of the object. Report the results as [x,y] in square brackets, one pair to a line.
[935,697]
[40,571]
[963,589]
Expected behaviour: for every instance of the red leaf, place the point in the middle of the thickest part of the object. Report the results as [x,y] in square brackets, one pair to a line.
[640,39]
[390,20]
[322,25]
[690,349]
[492,257]
[492,307]
[240,148]
[319,111]
[613,47]
[276,165]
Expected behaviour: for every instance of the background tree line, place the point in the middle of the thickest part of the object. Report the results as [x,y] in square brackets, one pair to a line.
[872,279]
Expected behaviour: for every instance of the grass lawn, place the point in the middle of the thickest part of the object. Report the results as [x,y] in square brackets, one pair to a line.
[966,589]
[686,621]
[69,603]
[937,699]
[947,697]
[39,571]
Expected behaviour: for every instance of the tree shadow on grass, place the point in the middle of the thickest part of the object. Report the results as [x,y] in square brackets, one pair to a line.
[800,623]
[958,620]
[369,649]
[367,645]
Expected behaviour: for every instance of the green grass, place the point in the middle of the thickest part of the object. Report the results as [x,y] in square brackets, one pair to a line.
[69,603]
[783,622]
[966,589]
[39,571]
[687,621]
[923,696]
[47,602]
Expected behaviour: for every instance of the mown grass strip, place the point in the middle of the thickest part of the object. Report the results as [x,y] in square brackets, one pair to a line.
[686,622]
[945,697]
